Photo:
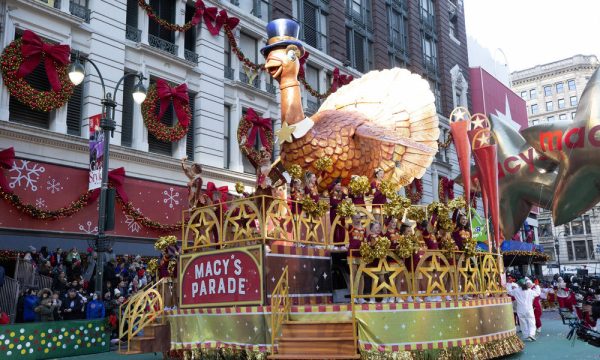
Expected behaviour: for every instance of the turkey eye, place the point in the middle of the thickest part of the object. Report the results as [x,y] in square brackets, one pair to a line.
[291,54]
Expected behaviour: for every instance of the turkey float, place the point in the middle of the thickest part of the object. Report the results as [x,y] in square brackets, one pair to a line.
[384,119]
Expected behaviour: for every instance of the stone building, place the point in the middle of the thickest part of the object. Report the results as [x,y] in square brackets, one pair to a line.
[426,36]
[552,92]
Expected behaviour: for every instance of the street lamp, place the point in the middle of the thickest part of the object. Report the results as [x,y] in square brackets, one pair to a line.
[557,248]
[107,124]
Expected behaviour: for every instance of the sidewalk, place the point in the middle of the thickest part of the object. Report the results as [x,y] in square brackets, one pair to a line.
[552,344]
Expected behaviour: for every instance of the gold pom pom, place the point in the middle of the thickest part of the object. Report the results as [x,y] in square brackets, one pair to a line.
[295,171]
[165,241]
[396,206]
[388,188]
[346,208]
[407,246]
[457,203]
[416,213]
[359,185]
[314,209]
[324,164]
[152,266]
[381,247]
[239,187]
[366,253]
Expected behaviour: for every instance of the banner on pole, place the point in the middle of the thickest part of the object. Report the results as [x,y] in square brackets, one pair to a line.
[478,226]
[96,152]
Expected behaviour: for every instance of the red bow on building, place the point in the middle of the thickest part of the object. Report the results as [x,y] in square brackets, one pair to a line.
[33,48]
[224,18]
[339,80]
[210,17]
[212,189]
[302,60]
[179,96]
[116,178]
[259,125]
[7,157]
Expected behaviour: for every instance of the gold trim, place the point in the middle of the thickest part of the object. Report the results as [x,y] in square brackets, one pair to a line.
[276,39]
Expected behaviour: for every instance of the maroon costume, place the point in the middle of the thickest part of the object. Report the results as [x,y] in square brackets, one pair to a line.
[335,198]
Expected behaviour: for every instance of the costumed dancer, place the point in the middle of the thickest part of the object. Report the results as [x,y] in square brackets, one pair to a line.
[511,285]
[296,196]
[562,293]
[424,231]
[374,233]
[524,296]
[391,232]
[218,198]
[551,297]
[194,174]
[336,196]
[537,306]
[462,231]
[379,198]
[357,235]
[310,186]
[357,199]
[264,184]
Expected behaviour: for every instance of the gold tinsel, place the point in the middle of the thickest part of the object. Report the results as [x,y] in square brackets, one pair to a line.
[359,185]
[381,247]
[407,246]
[165,241]
[397,205]
[172,265]
[457,203]
[388,188]
[447,245]
[470,245]
[295,171]
[346,208]
[324,164]
[416,213]
[314,209]
[239,187]
[366,253]
[152,266]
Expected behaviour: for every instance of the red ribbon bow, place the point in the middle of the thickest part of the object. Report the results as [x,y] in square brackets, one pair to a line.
[339,80]
[210,17]
[259,125]
[180,98]
[211,188]
[33,48]
[302,60]
[7,157]
[116,177]
[223,19]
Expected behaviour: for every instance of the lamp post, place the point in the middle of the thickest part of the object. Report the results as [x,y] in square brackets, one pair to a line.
[557,248]
[107,124]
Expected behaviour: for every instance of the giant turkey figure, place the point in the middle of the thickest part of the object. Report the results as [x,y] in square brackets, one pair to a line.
[384,119]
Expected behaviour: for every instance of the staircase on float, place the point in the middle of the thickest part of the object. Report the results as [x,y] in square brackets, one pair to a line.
[156,338]
[316,341]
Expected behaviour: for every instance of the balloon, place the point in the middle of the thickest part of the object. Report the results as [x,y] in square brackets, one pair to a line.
[576,147]
[460,123]
[486,157]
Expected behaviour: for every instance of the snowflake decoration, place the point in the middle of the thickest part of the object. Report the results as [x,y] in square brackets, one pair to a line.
[87,228]
[25,172]
[171,197]
[53,185]
[40,203]
[132,225]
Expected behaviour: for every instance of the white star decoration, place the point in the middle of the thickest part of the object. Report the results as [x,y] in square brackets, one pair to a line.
[477,122]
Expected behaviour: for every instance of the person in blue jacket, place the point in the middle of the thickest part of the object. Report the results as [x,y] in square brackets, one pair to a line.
[30,302]
[95,309]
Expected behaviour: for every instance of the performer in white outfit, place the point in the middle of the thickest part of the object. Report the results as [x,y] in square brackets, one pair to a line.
[524,296]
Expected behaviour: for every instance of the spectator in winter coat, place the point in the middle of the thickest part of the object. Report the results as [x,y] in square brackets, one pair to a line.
[30,302]
[45,309]
[57,303]
[60,283]
[72,306]
[95,309]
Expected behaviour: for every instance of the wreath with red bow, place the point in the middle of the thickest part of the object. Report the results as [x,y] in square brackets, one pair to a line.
[159,96]
[414,191]
[251,125]
[22,56]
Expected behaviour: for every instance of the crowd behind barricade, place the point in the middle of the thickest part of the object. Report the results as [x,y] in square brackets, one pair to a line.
[531,297]
[72,294]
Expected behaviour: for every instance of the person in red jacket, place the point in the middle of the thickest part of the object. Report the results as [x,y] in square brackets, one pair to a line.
[537,306]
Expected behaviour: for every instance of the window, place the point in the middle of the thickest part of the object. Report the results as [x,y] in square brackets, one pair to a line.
[397,28]
[588,225]
[190,35]
[548,90]
[313,21]
[166,11]
[532,94]
[226,137]
[571,84]
[429,52]
[567,229]
[427,12]
[358,50]
[534,122]
[573,115]
[562,117]
[570,251]
[132,13]
[453,28]
[74,111]
[573,100]
[549,106]
[580,250]
[312,77]
[127,114]
[561,103]
[262,10]
[359,10]
[560,87]
[190,143]
[524,95]
[545,228]
[590,244]
[249,46]
[550,119]
[534,108]
[577,227]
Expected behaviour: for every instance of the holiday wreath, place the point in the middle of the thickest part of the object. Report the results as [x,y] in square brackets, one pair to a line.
[160,95]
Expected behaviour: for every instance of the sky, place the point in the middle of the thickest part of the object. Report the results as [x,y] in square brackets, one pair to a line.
[534,32]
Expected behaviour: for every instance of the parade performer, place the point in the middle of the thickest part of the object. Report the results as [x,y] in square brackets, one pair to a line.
[357,199]
[537,306]
[562,293]
[510,286]
[336,196]
[524,296]
[296,196]
[462,231]
[379,198]
[374,233]
[194,174]
[357,234]
[310,186]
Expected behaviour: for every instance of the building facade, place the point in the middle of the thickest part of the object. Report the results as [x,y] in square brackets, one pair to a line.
[552,92]
[426,36]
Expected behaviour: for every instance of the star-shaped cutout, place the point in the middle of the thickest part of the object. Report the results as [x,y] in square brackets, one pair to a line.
[469,273]
[482,138]
[479,121]
[460,114]
[525,179]
[435,273]
[374,272]
[576,147]
[285,133]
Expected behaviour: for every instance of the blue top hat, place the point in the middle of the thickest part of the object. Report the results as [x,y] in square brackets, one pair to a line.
[282,32]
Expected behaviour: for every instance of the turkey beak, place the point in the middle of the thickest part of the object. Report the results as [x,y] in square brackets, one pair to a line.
[274,66]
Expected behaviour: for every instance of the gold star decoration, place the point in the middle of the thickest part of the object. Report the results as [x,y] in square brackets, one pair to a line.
[438,270]
[469,272]
[373,272]
[479,121]
[285,133]
[242,220]
[460,114]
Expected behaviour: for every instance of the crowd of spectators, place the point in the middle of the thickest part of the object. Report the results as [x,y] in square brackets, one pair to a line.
[72,294]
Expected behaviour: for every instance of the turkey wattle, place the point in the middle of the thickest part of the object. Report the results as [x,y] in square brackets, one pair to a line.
[384,119]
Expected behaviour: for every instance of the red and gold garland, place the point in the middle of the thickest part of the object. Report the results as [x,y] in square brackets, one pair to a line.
[445,189]
[165,24]
[18,87]
[238,52]
[414,191]
[155,127]
[244,130]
